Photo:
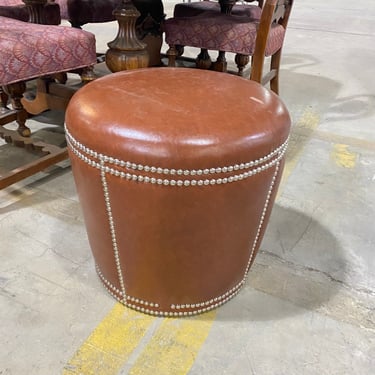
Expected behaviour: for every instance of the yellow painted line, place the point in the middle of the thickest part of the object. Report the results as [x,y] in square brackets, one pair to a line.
[307,123]
[343,157]
[110,344]
[174,346]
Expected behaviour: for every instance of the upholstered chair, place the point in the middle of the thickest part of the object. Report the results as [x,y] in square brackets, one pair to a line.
[80,12]
[243,36]
[33,51]
[195,8]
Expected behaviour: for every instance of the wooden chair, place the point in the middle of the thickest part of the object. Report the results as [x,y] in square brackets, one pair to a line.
[29,51]
[258,38]
[195,8]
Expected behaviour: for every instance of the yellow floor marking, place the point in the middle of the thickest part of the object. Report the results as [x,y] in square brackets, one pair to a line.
[174,346]
[343,157]
[326,136]
[110,344]
[308,122]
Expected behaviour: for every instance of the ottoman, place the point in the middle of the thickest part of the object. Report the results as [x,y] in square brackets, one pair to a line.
[176,171]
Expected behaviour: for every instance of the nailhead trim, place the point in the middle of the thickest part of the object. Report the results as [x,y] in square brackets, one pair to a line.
[210,302]
[107,283]
[116,290]
[170,314]
[77,147]
[261,221]
[178,183]
[112,228]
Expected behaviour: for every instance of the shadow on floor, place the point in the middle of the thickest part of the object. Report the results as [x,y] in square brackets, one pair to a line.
[292,276]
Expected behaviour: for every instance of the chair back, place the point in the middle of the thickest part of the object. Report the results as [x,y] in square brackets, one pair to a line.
[274,12]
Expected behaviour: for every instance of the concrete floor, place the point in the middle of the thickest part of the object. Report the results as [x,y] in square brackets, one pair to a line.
[309,304]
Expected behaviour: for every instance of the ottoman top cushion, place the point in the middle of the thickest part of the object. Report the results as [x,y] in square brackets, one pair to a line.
[177,118]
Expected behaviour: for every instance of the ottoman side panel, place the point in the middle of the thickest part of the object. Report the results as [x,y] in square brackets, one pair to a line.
[268,209]
[185,245]
[91,196]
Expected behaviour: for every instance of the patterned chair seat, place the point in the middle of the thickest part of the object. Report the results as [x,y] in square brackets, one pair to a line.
[28,50]
[198,7]
[221,32]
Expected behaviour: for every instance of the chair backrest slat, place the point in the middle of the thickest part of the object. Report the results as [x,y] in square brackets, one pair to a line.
[274,11]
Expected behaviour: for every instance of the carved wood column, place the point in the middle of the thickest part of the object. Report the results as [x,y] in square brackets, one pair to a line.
[36,11]
[226,6]
[126,51]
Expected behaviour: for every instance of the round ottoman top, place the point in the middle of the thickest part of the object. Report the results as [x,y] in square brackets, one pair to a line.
[177,118]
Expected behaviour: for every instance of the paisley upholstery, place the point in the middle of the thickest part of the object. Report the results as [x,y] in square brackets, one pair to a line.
[29,50]
[198,7]
[221,32]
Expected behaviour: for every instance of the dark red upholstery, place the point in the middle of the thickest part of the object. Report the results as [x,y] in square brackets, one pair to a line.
[197,7]
[220,32]
[29,50]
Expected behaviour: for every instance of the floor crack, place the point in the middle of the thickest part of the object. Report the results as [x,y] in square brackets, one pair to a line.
[290,264]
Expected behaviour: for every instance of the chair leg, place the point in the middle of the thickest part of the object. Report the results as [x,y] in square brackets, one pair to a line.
[220,65]
[241,61]
[61,77]
[38,103]
[87,74]
[275,66]
[16,91]
[180,50]
[172,54]
[203,60]
[49,154]
[3,101]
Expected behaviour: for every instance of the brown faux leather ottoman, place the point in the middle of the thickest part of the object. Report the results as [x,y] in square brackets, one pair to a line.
[176,171]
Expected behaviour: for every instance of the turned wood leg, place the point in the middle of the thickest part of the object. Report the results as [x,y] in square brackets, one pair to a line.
[241,61]
[39,103]
[36,11]
[220,65]
[87,74]
[61,77]
[226,6]
[16,91]
[172,54]
[203,60]
[3,101]
[180,50]
[126,51]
